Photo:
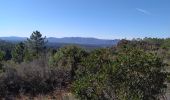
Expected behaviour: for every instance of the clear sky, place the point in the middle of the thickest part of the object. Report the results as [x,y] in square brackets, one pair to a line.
[107,19]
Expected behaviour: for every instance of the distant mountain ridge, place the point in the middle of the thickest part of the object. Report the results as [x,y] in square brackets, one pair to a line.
[68,40]
[13,38]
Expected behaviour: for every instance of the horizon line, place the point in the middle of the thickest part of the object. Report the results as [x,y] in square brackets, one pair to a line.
[88,37]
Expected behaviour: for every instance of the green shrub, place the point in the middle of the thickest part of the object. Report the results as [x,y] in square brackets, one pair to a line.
[68,58]
[34,78]
[139,75]
[93,77]
[130,75]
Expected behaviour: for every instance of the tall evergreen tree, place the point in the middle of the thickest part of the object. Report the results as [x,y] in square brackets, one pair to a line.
[36,44]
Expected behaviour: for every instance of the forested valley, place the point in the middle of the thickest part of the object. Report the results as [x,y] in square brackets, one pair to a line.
[136,69]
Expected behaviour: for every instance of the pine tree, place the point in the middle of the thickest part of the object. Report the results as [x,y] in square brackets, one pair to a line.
[36,44]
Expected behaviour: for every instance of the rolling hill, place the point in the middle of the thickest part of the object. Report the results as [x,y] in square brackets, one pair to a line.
[69,40]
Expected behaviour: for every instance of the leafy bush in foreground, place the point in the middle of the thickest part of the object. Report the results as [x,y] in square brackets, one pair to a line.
[131,75]
[139,75]
[93,77]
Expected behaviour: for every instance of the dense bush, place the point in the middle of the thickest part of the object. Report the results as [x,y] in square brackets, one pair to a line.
[139,75]
[93,77]
[68,58]
[34,78]
[130,75]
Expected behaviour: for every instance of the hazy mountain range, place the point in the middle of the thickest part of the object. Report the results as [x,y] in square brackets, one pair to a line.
[68,40]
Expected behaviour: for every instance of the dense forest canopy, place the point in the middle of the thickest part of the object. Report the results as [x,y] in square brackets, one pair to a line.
[131,70]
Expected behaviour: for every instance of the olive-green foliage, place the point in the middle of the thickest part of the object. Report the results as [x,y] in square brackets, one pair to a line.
[2,55]
[6,47]
[163,43]
[18,53]
[36,45]
[163,49]
[93,77]
[154,45]
[132,74]
[68,58]
[139,75]
[28,56]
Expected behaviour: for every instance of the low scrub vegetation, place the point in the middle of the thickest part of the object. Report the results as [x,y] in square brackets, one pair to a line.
[131,70]
[35,77]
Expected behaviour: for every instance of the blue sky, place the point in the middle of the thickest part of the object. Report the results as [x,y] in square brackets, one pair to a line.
[107,19]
